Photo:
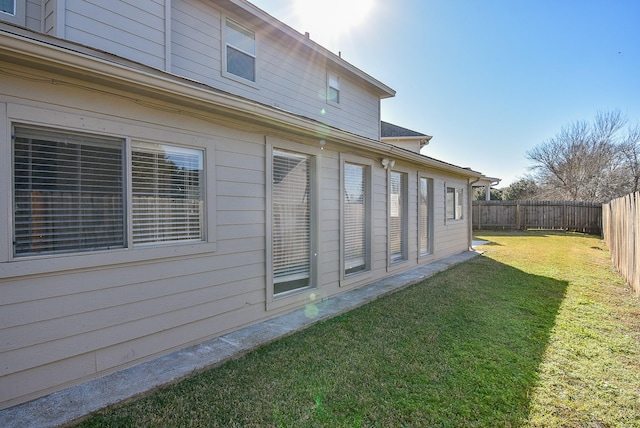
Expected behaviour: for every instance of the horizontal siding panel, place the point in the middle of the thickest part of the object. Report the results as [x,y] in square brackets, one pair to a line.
[249,190]
[240,231]
[49,352]
[237,203]
[240,217]
[172,280]
[132,33]
[44,378]
[34,15]
[243,175]
[176,337]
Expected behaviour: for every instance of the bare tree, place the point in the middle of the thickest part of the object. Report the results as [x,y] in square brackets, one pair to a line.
[630,151]
[586,161]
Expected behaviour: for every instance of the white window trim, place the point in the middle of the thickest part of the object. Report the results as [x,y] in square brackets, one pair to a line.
[430,216]
[355,278]
[223,68]
[331,76]
[309,293]
[11,266]
[20,15]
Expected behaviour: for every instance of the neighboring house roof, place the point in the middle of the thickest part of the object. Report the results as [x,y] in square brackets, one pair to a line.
[390,132]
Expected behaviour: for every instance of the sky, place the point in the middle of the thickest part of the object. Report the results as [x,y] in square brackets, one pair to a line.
[488,79]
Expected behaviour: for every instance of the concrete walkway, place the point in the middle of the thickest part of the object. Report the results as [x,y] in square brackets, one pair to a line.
[67,405]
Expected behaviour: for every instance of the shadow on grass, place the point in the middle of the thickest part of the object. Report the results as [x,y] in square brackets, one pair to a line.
[459,349]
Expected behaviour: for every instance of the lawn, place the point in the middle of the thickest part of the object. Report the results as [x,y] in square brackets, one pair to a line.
[539,331]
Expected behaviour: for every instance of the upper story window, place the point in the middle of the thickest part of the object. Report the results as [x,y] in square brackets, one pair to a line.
[240,51]
[454,203]
[8,6]
[13,11]
[70,193]
[333,88]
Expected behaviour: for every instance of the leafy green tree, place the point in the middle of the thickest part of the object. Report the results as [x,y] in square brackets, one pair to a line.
[523,189]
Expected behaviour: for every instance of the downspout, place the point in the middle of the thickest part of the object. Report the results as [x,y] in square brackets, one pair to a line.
[470,197]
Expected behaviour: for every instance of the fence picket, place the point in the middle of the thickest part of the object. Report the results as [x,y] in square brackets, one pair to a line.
[621,226]
[521,215]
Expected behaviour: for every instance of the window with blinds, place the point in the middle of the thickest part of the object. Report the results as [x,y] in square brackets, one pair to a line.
[291,233]
[355,218]
[68,192]
[424,207]
[167,194]
[398,219]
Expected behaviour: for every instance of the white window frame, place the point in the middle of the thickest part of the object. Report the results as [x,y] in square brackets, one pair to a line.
[368,164]
[399,208]
[428,227]
[11,266]
[227,45]
[333,86]
[276,301]
[458,203]
[19,13]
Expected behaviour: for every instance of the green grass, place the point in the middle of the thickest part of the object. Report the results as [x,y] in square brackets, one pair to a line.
[540,331]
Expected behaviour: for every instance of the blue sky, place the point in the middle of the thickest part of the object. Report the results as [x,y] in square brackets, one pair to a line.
[488,79]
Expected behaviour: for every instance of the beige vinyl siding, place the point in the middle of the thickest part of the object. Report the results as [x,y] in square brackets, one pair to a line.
[34,15]
[69,318]
[290,79]
[131,29]
[451,236]
[329,251]
[195,41]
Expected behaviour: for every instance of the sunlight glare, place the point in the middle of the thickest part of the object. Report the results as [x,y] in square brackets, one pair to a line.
[331,18]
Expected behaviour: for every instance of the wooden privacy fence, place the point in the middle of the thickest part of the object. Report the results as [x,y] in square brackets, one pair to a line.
[621,226]
[521,215]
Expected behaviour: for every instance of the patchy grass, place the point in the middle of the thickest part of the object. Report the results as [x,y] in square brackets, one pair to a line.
[540,331]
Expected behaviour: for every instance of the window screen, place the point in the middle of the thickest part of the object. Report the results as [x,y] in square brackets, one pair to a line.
[68,192]
[291,221]
[167,191]
[355,218]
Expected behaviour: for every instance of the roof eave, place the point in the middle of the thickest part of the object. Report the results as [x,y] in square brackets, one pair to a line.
[239,6]
[48,57]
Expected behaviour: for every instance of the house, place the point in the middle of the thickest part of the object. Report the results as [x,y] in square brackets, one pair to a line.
[173,170]
[403,137]
[416,141]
